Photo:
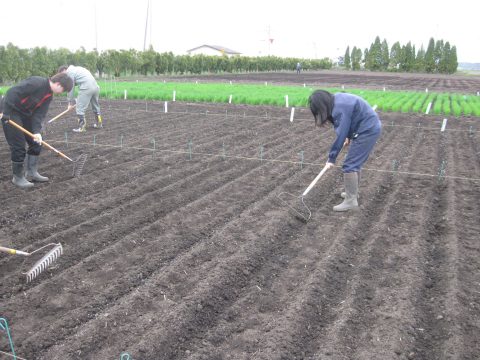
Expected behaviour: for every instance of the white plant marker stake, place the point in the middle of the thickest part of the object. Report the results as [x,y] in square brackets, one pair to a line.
[478,93]
[304,85]
[444,125]
[230,82]
[286,100]
[230,99]
[174,95]
[291,114]
[384,88]
[426,90]
[125,94]
[428,108]
[165,106]
[265,83]
[343,87]
[374,107]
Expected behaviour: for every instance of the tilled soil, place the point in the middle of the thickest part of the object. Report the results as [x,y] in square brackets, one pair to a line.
[176,245]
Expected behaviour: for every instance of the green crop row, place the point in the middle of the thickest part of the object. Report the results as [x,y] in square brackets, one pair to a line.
[266,94]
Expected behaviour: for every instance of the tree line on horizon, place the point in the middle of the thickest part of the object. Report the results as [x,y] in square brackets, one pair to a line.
[439,57]
[17,64]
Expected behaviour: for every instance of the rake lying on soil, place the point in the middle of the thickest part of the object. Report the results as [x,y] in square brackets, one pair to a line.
[41,264]
[77,164]
[296,203]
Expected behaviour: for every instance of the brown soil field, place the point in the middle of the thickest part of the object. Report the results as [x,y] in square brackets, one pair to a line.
[177,247]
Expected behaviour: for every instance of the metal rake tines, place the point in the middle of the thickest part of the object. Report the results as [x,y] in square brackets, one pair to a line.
[44,262]
[79,164]
[296,205]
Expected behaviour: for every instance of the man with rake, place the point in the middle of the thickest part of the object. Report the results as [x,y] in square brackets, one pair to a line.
[88,93]
[357,126]
[26,104]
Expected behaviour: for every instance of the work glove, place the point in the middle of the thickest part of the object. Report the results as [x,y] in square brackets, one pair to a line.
[37,138]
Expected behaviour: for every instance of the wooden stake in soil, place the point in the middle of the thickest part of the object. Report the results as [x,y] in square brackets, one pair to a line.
[291,114]
[165,106]
[286,101]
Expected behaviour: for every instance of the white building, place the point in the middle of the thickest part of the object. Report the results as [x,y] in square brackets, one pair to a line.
[214,50]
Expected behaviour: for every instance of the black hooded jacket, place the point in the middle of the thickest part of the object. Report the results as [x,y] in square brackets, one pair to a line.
[29,100]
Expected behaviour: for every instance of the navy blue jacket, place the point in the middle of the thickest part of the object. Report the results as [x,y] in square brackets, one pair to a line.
[352,116]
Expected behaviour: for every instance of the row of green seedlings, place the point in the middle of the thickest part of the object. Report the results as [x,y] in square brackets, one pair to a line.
[437,104]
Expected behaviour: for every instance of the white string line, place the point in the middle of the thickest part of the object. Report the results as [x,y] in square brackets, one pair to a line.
[240,157]
[11,355]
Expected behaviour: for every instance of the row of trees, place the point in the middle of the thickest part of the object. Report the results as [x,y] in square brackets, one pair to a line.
[17,64]
[440,57]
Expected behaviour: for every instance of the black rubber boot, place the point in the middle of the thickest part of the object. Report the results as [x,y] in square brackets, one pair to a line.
[351,190]
[32,169]
[82,124]
[19,177]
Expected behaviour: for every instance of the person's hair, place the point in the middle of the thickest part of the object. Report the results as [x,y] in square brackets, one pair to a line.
[321,105]
[64,80]
[62,68]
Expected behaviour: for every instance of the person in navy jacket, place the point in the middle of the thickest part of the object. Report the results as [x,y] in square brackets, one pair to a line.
[357,126]
[27,104]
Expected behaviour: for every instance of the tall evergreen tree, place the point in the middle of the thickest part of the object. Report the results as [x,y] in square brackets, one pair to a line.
[346,60]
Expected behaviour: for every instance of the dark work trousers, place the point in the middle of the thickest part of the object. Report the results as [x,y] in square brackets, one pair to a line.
[359,150]
[17,139]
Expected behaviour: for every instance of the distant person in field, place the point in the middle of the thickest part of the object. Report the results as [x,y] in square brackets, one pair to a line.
[27,104]
[357,126]
[88,93]
[299,68]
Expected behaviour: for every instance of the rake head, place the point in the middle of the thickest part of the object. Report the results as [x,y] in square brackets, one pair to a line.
[45,261]
[79,164]
[296,205]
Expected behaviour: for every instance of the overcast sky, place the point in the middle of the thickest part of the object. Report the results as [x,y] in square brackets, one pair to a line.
[306,29]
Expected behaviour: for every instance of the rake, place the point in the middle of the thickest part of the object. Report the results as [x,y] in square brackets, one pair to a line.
[41,264]
[62,113]
[77,164]
[299,208]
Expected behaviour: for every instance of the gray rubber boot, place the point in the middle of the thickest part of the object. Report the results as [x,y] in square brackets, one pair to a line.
[351,190]
[344,194]
[19,177]
[32,169]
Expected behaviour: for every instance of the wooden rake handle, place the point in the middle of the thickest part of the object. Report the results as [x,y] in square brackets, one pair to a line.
[13,251]
[14,124]
[63,113]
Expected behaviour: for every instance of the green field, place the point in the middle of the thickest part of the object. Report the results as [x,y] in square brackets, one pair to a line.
[449,104]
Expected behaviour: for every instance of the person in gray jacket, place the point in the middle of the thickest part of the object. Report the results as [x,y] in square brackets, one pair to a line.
[88,93]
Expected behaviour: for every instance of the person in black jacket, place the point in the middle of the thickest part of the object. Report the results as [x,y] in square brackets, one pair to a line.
[27,104]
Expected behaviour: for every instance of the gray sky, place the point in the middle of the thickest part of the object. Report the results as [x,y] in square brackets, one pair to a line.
[307,29]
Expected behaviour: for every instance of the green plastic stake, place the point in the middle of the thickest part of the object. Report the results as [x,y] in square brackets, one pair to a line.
[442,170]
[395,165]
[4,327]
[153,153]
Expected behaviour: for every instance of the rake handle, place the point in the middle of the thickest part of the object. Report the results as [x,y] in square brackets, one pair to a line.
[43,142]
[13,251]
[63,113]
[320,174]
